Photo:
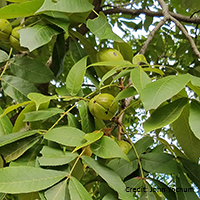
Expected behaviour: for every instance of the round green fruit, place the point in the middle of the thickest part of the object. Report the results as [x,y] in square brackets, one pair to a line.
[108,55]
[102,107]
[15,39]
[125,146]
[5,29]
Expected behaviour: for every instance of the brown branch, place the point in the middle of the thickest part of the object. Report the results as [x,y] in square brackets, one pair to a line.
[151,35]
[179,17]
[168,16]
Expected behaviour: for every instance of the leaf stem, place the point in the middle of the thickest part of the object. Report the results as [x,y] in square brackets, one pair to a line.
[6,62]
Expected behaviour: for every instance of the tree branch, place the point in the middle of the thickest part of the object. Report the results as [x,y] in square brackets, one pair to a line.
[168,16]
[179,17]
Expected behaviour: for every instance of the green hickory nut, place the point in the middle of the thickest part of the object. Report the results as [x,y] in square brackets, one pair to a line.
[108,55]
[5,29]
[14,39]
[102,106]
[125,146]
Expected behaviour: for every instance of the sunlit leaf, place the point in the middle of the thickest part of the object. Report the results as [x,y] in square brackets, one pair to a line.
[66,6]
[65,135]
[75,76]
[159,91]
[37,36]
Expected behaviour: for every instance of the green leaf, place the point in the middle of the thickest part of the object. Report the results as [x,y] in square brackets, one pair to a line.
[58,56]
[147,193]
[107,148]
[165,115]
[17,88]
[159,162]
[193,170]
[66,6]
[9,138]
[13,107]
[3,56]
[122,167]
[134,185]
[59,19]
[128,92]
[65,135]
[42,114]
[125,49]
[73,121]
[167,191]
[75,76]
[20,10]
[139,79]
[194,118]
[113,180]
[36,36]
[29,158]
[14,150]
[186,138]
[58,192]
[155,70]
[77,191]
[87,120]
[110,196]
[140,58]
[5,124]
[40,99]
[101,28]
[31,179]
[142,144]
[55,157]
[184,189]
[159,91]
[30,70]
[91,138]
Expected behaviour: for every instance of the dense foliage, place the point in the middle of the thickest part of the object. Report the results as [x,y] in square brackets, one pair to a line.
[143,142]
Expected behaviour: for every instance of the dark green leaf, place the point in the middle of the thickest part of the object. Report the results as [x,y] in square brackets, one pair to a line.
[122,167]
[73,121]
[128,92]
[184,189]
[35,178]
[113,180]
[193,170]
[30,70]
[17,88]
[186,138]
[87,120]
[165,115]
[159,162]
[9,138]
[168,192]
[58,56]
[58,192]
[14,150]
